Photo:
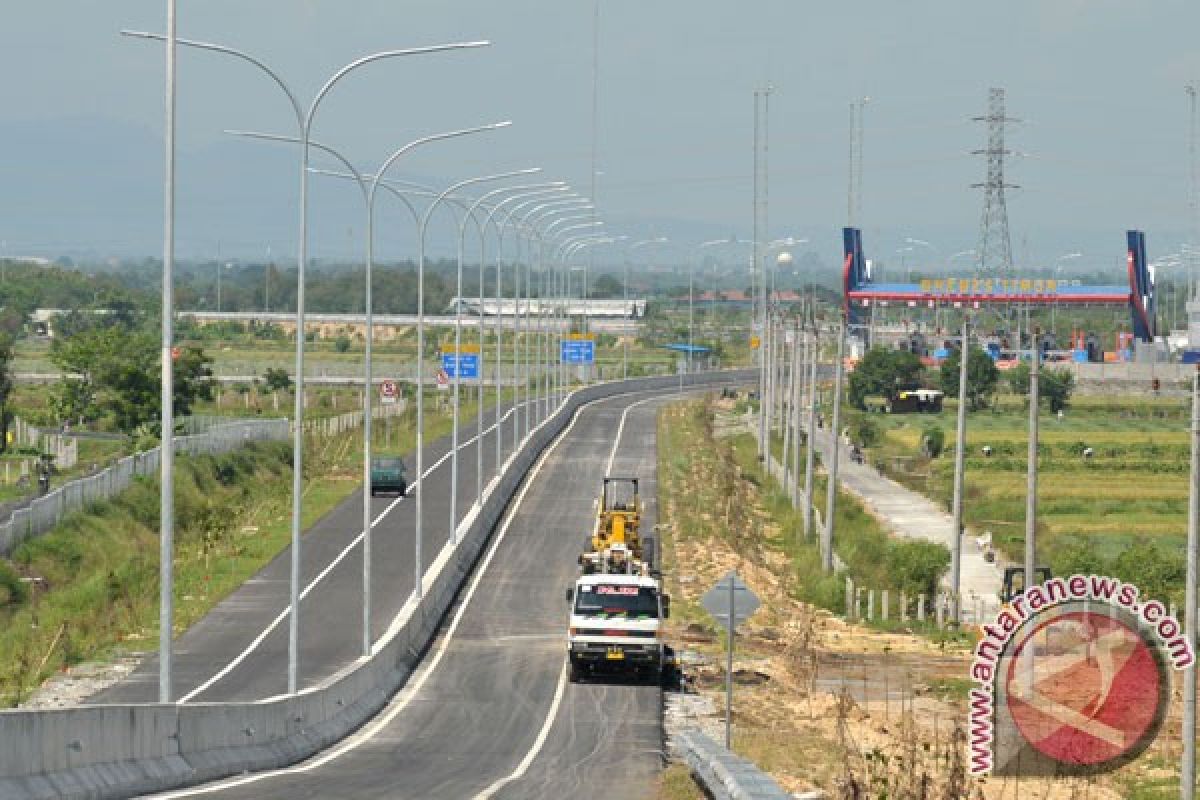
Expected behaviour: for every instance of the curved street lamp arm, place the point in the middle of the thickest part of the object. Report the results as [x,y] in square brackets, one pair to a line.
[273,137]
[433,138]
[581,226]
[220,48]
[537,215]
[353,65]
[573,218]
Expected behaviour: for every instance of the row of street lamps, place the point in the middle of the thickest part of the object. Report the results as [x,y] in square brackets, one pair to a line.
[545,215]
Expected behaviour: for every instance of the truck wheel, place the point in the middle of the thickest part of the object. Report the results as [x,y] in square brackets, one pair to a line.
[575,674]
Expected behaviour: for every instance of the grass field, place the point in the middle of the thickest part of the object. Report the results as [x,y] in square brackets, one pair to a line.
[1130,496]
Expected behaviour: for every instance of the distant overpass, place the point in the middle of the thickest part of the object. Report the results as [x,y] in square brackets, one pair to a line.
[287,319]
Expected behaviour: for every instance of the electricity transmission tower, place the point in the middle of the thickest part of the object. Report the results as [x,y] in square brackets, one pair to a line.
[1193,195]
[995,245]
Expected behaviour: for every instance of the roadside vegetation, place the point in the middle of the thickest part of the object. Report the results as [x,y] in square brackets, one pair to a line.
[851,710]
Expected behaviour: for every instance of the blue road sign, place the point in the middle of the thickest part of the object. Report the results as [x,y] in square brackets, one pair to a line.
[577,351]
[468,361]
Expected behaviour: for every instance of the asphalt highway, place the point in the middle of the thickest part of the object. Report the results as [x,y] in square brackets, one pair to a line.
[239,650]
[489,712]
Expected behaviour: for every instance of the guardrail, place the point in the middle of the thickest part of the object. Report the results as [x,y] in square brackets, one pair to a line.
[722,774]
[47,511]
[113,751]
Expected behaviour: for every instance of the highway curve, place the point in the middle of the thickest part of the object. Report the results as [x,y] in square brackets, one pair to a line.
[331,613]
[489,711]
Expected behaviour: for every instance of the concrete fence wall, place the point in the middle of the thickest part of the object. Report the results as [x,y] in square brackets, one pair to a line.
[46,512]
[120,750]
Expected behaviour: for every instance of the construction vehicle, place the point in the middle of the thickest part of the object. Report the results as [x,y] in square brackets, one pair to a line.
[618,606]
[1014,581]
[616,626]
[617,530]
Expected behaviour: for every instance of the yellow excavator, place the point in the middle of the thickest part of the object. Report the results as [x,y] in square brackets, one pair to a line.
[616,544]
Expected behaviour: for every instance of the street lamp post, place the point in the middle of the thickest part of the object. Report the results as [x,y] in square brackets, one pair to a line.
[567,205]
[527,224]
[304,120]
[576,244]
[419,588]
[518,378]
[369,186]
[167,398]
[462,236]
[522,199]
[625,297]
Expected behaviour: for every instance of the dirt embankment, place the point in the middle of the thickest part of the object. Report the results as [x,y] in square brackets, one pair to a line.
[818,703]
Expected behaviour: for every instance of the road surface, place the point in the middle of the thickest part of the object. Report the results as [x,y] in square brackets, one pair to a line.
[489,711]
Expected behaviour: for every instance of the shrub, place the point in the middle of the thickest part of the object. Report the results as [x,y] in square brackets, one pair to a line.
[933,440]
[1153,571]
[863,430]
[12,591]
[917,566]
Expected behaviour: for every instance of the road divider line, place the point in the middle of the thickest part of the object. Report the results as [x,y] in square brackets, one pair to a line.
[552,714]
[538,743]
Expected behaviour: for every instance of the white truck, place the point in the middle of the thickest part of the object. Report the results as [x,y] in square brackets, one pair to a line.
[616,626]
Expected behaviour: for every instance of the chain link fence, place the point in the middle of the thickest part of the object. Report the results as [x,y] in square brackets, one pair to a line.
[45,512]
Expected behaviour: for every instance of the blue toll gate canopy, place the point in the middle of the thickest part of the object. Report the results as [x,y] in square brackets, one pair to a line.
[694,349]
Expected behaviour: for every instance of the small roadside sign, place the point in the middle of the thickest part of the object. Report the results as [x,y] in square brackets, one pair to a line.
[577,349]
[443,380]
[755,342]
[387,392]
[717,600]
[730,602]
[464,364]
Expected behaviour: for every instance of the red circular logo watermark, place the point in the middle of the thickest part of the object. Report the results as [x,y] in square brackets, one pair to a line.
[1087,689]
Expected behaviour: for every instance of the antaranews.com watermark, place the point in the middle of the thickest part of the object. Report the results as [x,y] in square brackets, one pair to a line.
[1074,672]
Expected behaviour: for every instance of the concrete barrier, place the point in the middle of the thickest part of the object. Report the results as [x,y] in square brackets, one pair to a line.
[94,752]
[722,774]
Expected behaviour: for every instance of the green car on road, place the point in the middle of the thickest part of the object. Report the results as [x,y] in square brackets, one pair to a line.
[387,475]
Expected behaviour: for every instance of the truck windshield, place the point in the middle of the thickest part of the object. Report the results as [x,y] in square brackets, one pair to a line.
[605,600]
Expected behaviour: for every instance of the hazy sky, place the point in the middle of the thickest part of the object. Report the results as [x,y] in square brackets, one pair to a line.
[1098,83]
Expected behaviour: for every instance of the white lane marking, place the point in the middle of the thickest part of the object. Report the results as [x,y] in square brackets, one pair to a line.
[560,690]
[258,640]
[538,743]
[406,695]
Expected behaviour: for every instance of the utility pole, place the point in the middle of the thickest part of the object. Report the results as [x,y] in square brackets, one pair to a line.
[850,171]
[1031,481]
[960,450]
[811,444]
[797,380]
[788,370]
[1187,779]
[756,243]
[1194,192]
[591,254]
[832,471]
[761,137]
[166,552]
